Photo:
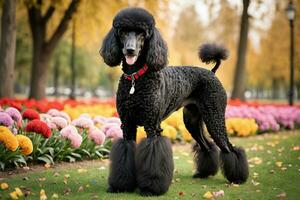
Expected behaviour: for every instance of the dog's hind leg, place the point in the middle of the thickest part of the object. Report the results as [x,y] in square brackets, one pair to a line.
[154,163]
[122,177]
[233,160]
[206,152]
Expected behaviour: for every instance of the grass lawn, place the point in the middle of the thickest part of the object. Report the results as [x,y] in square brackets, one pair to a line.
[274,170]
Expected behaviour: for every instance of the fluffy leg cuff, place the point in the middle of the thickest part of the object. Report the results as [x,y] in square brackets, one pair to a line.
[122,168]
[154,165]
[235,165]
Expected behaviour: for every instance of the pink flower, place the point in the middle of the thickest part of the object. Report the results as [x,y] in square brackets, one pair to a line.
[5,119]
[113,131]
[57,113]
[70,132]
[53,112]
[59,122]
[113,120]
[14,113]
[99,120]
[96,135]
[83,123]
[48,120]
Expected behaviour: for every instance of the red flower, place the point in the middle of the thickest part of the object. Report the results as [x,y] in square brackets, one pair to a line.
[30,114]
[38,126]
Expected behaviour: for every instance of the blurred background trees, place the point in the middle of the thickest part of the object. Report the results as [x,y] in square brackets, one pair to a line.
[44,40]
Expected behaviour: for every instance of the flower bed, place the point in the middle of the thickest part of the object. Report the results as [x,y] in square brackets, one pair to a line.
[50,131]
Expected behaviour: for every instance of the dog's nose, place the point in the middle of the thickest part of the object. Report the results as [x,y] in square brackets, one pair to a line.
[130,50]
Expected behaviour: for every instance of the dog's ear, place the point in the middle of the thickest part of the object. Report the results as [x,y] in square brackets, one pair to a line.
[157,53]
[110,50]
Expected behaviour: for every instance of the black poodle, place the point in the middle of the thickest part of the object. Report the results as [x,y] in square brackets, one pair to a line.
[149,92]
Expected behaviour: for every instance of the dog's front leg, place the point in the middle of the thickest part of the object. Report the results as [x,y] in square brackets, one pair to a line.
[154,163]
[122,177]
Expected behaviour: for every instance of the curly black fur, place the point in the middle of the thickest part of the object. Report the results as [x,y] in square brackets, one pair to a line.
[122,168]
[234,165]
[207,161]
[154,165]
[213,53]
[158,93]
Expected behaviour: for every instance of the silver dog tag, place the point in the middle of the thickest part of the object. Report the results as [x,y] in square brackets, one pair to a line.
[132,90]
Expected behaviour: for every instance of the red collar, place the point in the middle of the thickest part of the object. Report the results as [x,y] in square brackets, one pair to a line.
[137,74]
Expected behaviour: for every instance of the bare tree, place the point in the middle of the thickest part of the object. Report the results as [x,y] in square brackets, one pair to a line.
[43,48]
[239,75]
[7,48]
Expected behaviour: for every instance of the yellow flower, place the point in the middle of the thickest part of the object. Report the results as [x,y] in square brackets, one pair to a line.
[169,131]
[241,126]
[208,195]
[4,186]
[19,192]
[8,138]
[13,195]
[176,119]
[25,144]
[185,134]
[43,195]
[140,134]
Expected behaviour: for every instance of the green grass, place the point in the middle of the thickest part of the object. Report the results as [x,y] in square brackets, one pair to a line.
[269,149]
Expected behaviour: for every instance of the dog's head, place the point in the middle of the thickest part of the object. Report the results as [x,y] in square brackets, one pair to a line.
[134,33]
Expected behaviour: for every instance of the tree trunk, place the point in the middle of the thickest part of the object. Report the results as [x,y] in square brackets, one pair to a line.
[275,88]
[56,76]
[42,48]
[239,75]
[8,48]
[72,64]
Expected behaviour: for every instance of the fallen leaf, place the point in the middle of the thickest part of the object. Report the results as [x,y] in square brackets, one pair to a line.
[42,179]
[296,148]
[26,191]
[255,183]
[67,191]
[54,196]
[82,171]
[219,193]
[26,168]
[47,165]
[281,196]
[181,193]
[208,195]
[13,195]
[4,186]
[67,176]
[278,164]
[283,168]
[56,174]
[255,174]
[19,192]
[80,189]
[255,160]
